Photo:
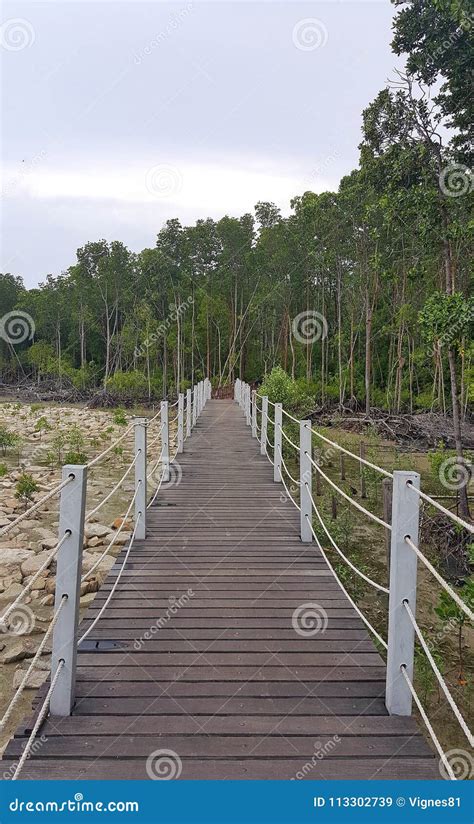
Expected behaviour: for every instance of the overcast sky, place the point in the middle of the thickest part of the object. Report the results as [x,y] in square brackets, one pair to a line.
[119,115]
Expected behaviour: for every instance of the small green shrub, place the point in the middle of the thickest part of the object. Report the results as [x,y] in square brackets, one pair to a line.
[75,457]
[7,439]
[119,418]
[3,470]
[26,488]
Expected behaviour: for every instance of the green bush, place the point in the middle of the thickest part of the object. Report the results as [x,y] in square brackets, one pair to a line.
[294,395]
[25,488]
[128,384]
[119,417]
[3,470]
[73,457]
[7,439]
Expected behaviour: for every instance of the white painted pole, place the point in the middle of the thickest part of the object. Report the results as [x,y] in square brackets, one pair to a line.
[305,481]
[236,390]
[165,441]
[263,426]
[140,476]
[403,566]
[247,406]
[68,582]
[189,402]
[254,413]
[180,443]
[277,441]
[195,401]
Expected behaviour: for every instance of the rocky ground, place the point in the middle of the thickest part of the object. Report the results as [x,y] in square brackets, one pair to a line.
[25,548]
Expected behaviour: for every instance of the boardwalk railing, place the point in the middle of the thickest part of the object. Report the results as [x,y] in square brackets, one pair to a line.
[68,552]
[403,528]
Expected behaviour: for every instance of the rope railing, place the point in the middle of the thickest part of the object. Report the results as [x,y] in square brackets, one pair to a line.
[461,604]
[441,508]
[39,721]
[101,455]
[25,515]
[27,588]
[351,454]
[21,687]
[115,488]
[467,732]
[289,439]
[348,498]
[427,723]
[113,541]
[297,483]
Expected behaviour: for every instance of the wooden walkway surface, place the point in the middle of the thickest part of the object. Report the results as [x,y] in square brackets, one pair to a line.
[226,682]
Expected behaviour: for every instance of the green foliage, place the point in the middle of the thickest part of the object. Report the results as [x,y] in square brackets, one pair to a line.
[119,417]
[75,457]
[3,470]
[42,425]
[7,439]
[280,388]
[26,488]
[446,319]
[131,384]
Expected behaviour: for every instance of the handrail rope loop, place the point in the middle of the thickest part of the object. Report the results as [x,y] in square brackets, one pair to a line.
[114,539]
[33,662]
[104,607]
[348,497]
[289,493]
[455,518]
[467,732]
[347,560]
[156,438]
[430,729]
[116,487]
[360,614]
[351,454]
[41,716]
[288,439]
[99,457]
[33,578]
[37,505]
[155,466]
[461,604]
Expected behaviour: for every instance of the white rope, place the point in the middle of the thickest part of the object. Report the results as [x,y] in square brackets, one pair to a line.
[36,506]
[104,607]
[117,485]
[290,416]
[456,518]
[288,439]
[150,420]
[430,729]
[156,438]
[112,542]
[268,456]
[32,665]
[152,471]
[33,578]
[109,448]
[39,721]
[348,562]
[289,493]
[359,613]
[298,483]
[467,732]
[348,497]
[351,454]
[461,604]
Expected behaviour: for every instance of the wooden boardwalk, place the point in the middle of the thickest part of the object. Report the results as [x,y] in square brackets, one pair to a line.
[198,654]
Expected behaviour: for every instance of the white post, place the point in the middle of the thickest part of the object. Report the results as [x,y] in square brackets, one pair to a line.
[180,443]
[188,412]
[140,476]
[403,564]
[254,413]
[165,441]
[277,441]
[247,406]
[263,426]
[305,481]
[68,582]
[237,390]
[209,389]
[195,400]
